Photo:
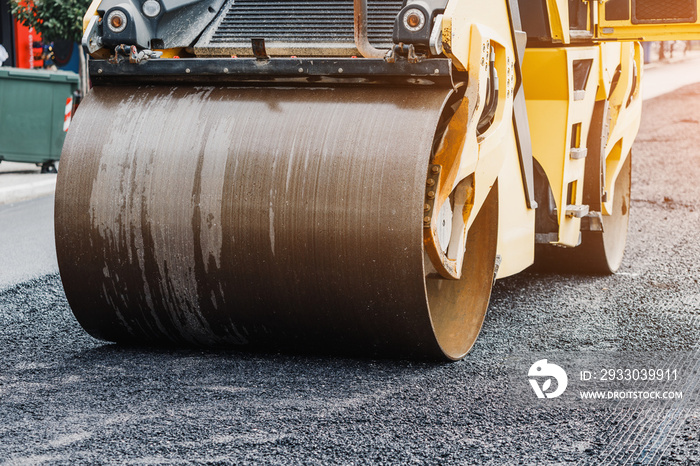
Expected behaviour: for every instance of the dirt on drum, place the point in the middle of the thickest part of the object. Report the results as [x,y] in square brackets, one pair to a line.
[225,216]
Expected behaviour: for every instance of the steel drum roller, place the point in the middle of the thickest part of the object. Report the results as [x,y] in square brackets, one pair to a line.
[225,216]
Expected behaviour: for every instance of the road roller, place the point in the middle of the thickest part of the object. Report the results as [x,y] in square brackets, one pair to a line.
[345,176]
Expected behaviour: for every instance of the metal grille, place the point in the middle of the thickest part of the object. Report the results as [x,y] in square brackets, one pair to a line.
[666,11]
[307,21]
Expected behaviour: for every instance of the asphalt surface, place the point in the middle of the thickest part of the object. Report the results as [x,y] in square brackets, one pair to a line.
[27,249]
[66,398]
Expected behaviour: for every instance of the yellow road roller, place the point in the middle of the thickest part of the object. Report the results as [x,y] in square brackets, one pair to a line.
[345,175]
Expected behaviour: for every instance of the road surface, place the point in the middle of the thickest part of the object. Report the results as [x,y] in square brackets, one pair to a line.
[27,249]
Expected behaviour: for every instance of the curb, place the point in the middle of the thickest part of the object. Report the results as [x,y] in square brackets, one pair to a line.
[31,190]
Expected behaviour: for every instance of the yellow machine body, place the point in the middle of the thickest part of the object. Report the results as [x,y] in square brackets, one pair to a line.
[638,20]
[239,181]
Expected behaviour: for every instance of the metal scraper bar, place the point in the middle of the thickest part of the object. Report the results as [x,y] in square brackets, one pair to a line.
[437,71]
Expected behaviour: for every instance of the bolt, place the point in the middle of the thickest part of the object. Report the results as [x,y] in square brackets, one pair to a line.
[430,182]
[431,194]
[426,219]
[301,70]
[187,70]
[435,169]
[426,207]
[225,70]
[99,71]
[340,70]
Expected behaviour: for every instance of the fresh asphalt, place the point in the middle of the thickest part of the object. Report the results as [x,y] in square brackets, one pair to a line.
[66,398]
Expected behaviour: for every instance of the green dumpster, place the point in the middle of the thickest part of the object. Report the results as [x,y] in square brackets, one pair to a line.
[32,113]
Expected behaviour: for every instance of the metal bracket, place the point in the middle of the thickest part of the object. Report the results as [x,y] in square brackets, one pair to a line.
[401,49]
[593,221]
[520,118]
[435,42]
[580,35]
[123,51]
[578,153]
[259,51]
[362,43]
[92,41]
[546,238]
[577,211]
[446,267]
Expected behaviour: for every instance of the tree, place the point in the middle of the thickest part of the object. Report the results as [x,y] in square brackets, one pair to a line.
[53,19]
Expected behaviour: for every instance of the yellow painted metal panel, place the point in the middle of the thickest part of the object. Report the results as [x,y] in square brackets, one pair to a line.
[92,11]
[461,15]
[559,20]
[554,107]
[648,20]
